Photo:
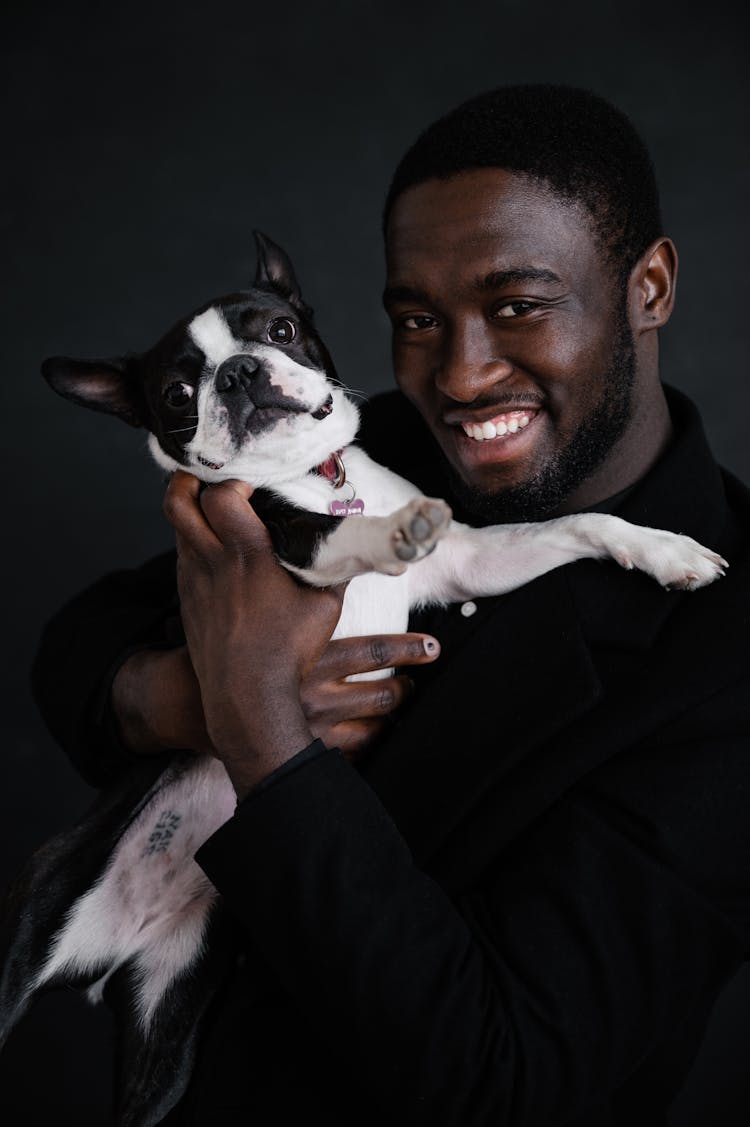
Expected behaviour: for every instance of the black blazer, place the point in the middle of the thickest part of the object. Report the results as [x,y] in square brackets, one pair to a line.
[520,907]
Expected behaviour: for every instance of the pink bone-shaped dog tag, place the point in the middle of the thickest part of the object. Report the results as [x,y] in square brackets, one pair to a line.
[347,508]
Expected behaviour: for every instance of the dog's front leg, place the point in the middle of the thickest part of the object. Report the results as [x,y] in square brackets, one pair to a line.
[386,545]
[491,561]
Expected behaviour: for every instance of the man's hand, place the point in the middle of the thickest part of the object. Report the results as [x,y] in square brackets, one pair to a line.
[157,701]
[349,715]
[260,642]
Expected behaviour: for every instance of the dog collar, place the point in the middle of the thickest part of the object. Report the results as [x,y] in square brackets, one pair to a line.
[333,470]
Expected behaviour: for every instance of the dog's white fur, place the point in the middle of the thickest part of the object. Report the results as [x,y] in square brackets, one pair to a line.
[150,904]
[159,919]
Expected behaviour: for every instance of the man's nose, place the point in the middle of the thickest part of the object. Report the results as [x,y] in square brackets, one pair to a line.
[471,363]
[236,372]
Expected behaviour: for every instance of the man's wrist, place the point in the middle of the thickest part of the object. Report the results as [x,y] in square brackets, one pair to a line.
[252,751]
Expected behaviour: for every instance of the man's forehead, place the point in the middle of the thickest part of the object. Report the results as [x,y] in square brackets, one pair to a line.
[485,220]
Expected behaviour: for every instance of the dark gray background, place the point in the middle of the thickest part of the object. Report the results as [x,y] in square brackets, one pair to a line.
[142,144]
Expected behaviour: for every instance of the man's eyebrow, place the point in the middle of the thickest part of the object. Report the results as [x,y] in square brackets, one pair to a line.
[496,279]
[393,294]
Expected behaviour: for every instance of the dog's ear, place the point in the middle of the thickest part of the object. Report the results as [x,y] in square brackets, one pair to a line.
[275,270]
[102,385]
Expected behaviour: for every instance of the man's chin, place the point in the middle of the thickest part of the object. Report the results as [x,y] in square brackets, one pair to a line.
[533,500]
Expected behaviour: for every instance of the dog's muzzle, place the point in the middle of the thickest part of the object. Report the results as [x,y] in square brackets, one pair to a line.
[236,372]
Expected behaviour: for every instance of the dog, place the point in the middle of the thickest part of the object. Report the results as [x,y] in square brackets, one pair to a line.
[245,388]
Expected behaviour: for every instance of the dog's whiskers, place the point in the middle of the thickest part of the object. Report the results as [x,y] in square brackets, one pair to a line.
[349,390]
[179,430]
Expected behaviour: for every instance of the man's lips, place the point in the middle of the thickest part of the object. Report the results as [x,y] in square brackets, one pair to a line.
[493,436]
[493,421]
[497,425]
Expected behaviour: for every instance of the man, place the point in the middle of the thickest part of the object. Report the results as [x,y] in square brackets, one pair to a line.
[517,904]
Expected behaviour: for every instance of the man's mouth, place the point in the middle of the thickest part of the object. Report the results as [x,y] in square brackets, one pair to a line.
[488,438]
[504,425]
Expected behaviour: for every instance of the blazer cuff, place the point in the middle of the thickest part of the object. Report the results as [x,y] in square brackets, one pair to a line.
[316,748]
[309,798]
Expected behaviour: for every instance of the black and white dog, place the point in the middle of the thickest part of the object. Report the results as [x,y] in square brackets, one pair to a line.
[244,388]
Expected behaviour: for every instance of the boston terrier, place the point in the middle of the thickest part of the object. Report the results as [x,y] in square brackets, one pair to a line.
[245,388]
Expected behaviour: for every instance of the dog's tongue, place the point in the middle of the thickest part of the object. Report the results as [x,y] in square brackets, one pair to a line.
[332,468]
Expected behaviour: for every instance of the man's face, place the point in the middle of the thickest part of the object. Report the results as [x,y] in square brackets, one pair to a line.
[510,338]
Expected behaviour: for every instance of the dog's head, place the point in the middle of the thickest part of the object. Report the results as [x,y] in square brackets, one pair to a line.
[243,387]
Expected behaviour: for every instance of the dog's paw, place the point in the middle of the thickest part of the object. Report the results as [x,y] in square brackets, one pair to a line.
[677,562]
[418,527]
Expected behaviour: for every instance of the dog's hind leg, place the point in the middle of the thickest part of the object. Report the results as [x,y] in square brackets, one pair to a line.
[53,880]
[155,1053]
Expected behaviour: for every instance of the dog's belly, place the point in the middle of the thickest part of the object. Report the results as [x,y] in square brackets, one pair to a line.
[151,904]
[374,604]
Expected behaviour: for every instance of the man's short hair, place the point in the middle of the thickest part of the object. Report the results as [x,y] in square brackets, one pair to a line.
[573,141]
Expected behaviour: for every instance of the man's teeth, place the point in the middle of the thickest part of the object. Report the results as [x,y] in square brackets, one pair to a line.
[497,427]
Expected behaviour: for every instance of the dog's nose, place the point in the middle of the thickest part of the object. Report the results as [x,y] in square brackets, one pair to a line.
[236,372]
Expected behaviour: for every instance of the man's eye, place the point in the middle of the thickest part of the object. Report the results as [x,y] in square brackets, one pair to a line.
[282,331]
[179,393]
[418,321]
[516,309]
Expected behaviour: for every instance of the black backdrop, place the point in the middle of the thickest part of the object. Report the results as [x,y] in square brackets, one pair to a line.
[142,144]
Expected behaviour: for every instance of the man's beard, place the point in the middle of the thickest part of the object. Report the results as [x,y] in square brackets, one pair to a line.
[544,493]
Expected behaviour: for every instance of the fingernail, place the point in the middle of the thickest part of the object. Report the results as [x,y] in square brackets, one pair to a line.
[431,647]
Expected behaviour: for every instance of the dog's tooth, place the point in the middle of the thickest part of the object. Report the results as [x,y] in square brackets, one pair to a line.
[488,430]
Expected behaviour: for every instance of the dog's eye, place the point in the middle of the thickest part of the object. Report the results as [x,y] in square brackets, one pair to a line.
[177,394]
[282,331]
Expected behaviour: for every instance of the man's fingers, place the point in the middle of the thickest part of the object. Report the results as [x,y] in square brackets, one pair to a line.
[346,656]
[183,510]
[207,518]
[355,700]
[352,736]
[232,518]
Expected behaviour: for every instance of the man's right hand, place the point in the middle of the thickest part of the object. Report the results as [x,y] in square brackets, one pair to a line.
[350,714]
[157,702]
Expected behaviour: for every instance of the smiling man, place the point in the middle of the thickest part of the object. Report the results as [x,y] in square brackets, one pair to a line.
[518,904]
[515,346]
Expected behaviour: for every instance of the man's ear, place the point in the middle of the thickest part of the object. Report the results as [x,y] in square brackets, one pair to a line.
[275,270]
[102,385]
[652,286]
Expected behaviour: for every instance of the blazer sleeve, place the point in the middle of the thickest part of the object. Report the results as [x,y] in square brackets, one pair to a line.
[523,1001]
[82,648]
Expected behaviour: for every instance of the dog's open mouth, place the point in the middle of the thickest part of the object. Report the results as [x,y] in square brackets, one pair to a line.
[324,409]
